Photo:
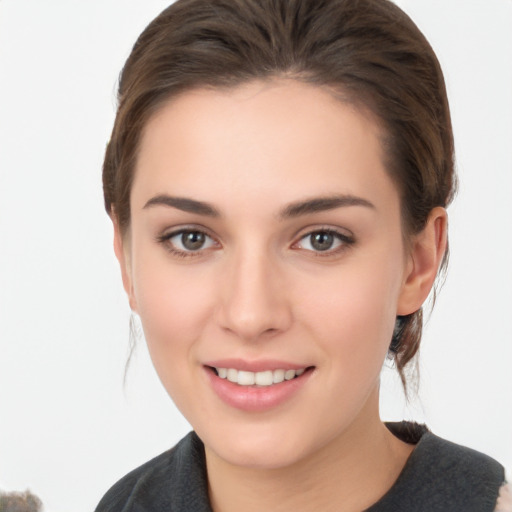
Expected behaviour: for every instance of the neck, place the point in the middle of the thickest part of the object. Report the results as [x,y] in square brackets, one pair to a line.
[350,473]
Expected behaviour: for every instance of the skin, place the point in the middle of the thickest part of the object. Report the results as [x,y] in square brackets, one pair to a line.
[258,289]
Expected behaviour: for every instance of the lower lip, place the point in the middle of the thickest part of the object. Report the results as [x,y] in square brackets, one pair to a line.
[256,398]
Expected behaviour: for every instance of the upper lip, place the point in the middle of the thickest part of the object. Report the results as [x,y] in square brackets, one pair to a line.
[255,366]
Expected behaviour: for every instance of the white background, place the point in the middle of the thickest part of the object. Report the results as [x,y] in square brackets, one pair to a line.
[68,430]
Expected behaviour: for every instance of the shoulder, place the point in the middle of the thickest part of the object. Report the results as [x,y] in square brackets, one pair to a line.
[470,473]
[444,476]
[173,480]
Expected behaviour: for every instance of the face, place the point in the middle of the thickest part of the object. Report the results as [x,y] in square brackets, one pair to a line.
[266,260]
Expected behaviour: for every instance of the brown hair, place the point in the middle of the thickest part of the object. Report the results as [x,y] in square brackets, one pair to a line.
[368,50]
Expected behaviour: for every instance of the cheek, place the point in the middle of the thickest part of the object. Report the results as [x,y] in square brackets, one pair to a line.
[353,312]
[174,310]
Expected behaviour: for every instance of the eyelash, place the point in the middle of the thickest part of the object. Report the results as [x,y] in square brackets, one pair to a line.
[165,240]
[344,241]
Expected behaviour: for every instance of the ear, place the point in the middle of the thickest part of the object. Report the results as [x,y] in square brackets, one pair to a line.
[123,253]
[425,257]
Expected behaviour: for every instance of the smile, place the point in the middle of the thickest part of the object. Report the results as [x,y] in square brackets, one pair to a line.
[264,378]
[272,384]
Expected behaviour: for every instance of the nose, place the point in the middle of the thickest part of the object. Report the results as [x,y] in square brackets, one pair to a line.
[254,301]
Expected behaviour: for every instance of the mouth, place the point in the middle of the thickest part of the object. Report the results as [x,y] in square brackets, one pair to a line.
[256,386]
[265,378]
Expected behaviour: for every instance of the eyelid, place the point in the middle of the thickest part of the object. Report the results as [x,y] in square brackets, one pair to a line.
[329,228]
[170,233]
[345,238]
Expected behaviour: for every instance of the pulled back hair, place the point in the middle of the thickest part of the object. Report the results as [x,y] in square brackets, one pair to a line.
[369,51]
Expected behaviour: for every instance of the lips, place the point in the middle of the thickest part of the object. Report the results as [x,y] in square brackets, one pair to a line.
[256,387]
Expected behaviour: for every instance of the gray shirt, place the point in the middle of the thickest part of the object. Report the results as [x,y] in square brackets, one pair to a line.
[439,476]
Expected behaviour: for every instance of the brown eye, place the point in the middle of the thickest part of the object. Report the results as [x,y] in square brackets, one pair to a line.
[193,240]
[322,241]
[187,241]
[325,241]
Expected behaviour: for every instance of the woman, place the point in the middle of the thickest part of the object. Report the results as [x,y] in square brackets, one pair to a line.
[277,177]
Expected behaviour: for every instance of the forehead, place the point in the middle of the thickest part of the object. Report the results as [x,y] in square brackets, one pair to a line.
[258,138]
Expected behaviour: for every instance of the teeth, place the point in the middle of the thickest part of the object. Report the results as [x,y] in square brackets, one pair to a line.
[232,375]
[265,378]
[278,376]
[289,374]
[246,378]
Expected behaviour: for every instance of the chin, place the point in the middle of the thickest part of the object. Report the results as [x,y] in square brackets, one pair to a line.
[256,456]
[257,447]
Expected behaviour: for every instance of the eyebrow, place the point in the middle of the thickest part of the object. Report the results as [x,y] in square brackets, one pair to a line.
[295,209]
[321,204]
[183,203]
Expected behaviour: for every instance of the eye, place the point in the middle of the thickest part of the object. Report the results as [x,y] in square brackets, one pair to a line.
[324,241]
[186,242]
